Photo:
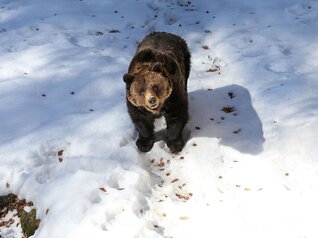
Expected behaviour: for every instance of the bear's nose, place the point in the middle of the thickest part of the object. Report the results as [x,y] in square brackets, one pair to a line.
[152,100]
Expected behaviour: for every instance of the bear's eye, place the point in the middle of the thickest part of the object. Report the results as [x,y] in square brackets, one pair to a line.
[155,88]
[141,91]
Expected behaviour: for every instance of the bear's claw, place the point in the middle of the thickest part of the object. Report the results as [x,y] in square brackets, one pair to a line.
[145,145]
[175,146]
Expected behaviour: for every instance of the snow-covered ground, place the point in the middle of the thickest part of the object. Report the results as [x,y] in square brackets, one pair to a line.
[250,165]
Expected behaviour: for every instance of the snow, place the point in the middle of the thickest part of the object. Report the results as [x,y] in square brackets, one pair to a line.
[14,231]
[251,172]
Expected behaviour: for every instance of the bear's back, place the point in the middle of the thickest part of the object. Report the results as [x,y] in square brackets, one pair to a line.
[163,41]
[169,44]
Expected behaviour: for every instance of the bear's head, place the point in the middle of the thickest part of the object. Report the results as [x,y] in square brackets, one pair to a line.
[148,88]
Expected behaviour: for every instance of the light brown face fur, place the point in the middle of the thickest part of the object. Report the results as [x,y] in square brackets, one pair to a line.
[149,90]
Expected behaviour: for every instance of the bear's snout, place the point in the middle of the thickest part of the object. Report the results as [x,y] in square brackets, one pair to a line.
[152,101]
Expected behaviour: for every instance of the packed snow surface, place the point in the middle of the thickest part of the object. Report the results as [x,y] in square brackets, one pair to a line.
[249,168]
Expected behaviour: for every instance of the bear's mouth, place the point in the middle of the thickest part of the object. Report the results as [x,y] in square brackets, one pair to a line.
[153,106]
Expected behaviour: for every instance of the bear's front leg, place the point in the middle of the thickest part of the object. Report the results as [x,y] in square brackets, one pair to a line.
[146,136]
[175,126]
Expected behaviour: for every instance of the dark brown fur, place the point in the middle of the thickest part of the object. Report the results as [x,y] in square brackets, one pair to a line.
[156,85]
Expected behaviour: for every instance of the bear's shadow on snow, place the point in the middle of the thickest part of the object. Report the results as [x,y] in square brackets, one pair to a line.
[227,114]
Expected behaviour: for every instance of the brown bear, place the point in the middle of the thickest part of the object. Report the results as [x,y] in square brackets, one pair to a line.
[156,85]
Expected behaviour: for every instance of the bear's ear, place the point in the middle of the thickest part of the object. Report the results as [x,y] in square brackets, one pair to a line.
[128,78]
[157,67]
